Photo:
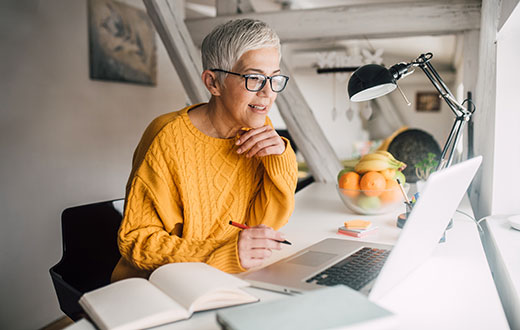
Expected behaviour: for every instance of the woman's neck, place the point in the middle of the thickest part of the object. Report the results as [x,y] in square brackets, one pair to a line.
[211,120]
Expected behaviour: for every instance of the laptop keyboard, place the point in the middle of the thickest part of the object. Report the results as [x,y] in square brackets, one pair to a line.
[356,271]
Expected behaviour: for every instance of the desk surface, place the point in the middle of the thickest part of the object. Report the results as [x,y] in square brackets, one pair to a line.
[454,289]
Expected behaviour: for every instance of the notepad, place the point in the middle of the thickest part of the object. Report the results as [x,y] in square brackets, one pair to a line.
[173,292]
[357,224]
[327,308]
[356,232]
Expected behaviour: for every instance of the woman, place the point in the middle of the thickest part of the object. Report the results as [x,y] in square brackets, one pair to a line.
[196,169]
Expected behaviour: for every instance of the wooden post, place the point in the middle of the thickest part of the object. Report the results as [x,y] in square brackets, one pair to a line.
[307,133]
[179,45]
[226,7]
[389,112]
[482,188]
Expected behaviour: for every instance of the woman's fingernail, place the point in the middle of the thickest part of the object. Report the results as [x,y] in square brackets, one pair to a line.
[238,142]
[239,150]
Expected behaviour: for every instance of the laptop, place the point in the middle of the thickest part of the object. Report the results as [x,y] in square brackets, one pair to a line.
[341,261]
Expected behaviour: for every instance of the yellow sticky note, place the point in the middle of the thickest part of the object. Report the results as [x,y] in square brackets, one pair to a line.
[357,224]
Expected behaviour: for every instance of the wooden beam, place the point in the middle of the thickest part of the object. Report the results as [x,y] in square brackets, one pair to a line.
[323,162]
[182,51]
[359,21]
[226,7]
[470,68]
[482,188]
[245,6]
[231,7]
[388,111]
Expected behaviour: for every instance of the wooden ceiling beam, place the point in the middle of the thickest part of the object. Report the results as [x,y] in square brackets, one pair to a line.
[383,20]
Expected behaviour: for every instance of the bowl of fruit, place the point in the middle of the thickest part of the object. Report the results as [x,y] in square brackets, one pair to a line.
[372,186]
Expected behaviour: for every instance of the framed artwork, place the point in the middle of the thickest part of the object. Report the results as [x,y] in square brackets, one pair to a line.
[427,101]
[121,43]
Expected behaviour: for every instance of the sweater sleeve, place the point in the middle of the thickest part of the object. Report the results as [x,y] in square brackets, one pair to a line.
[151,231]
[274,201]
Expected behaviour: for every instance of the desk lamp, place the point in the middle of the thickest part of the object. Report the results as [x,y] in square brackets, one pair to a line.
[372,81]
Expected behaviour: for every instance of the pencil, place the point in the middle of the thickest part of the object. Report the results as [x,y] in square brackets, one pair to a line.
[241,226]
[406,200]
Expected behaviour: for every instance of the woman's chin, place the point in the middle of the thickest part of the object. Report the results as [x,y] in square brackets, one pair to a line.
[256,122]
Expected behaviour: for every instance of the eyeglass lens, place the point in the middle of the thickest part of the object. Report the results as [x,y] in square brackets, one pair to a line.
[255,82]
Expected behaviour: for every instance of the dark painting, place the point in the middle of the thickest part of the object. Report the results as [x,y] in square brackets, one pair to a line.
[428,101]
[122,43]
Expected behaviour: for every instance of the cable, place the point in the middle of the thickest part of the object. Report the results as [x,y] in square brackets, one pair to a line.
[466,214]
[477,222]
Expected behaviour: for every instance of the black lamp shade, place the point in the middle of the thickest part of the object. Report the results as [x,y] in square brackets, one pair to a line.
[369,82]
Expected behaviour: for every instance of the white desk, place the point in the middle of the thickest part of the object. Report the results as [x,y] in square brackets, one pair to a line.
[452,290]
[502,244]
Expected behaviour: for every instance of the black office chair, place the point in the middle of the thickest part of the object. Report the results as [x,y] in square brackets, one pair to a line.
[90,252]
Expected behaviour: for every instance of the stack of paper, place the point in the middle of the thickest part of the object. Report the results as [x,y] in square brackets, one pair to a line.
[357,228]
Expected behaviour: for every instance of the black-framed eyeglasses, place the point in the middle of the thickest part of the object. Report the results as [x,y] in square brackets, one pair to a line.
[256,81]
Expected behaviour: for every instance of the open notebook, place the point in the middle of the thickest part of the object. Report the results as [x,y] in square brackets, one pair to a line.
[173,292]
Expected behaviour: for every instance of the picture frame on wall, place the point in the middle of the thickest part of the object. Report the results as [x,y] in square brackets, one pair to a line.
[427,101]
[122,44]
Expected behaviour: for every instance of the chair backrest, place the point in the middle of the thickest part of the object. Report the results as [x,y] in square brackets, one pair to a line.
[285,134]
[90,252]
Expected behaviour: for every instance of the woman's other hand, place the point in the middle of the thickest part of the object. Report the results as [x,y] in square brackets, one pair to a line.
[261,141]
[255,245]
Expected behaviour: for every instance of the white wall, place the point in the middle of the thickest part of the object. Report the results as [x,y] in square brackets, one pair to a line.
[318,92]
[438,124]
[65,140]
[507,119]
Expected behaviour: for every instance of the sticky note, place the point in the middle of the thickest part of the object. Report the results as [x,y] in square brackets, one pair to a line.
[357,224]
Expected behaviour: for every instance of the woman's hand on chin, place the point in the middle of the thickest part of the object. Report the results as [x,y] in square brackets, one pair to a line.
[261,141]
[255,245]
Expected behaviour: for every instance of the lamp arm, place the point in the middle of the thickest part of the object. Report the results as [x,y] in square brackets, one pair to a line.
[462,114]
[452,141]
[443,90]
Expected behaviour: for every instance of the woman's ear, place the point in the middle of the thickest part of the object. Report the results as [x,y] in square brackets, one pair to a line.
[209,78]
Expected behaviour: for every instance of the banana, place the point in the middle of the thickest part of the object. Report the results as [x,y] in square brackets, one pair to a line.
[378,161]
[373,157]
[386,153]
[372,165]
[378,156]
[400,165]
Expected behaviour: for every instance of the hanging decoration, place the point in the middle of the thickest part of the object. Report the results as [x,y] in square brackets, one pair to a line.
[341,65]
[334,109]
[341,62]
[366,111]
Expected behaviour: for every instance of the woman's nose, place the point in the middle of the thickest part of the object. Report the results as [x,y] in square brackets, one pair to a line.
[266,90]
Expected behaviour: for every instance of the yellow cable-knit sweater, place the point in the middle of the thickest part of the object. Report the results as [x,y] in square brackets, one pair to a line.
[184,188]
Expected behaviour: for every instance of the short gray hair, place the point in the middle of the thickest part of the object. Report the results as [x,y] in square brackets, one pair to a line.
[224,46]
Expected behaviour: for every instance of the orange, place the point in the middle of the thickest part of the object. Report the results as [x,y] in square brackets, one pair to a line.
[350,180]
[389,173]
[373,182]
[392,192]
